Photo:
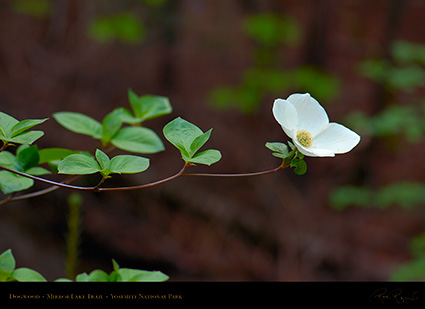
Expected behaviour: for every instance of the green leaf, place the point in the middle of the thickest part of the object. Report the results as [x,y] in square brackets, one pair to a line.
[206,157]
[103,159]
[280,155]
[7,122]
[7,265]
[26,158]
[300,167]
[135,275]
[148,106]
[7,159]
[128,117]
[199,141]
[12,130]
[281,151]
[182,134]
[138,140]
[37,171]
[115,265]
[127,164]
[63,280]
[27,275]
[120,275]
[277,147]
[95,276]
[111,125]
[25,161]
[10,182]
[79,123]
[188,139]
[26,137]
[78,164]
[25,125]
[299,155]
[54,154]
[113,277]
[84,277]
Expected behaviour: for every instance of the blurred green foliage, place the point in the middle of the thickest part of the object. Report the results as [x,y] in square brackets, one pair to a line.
[404,71]
[34,8]
[402,119]
[405,194]
[407,52]
[153,3]
[414,269]
[403,74]
[271,29]
[258,83]
[394,77]
[405,121]
[125,27]
[272,33]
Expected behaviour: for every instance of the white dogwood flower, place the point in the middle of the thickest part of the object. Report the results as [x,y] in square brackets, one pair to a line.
[305,121]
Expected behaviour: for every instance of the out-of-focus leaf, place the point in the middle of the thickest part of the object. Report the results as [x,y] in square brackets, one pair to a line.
[125,27]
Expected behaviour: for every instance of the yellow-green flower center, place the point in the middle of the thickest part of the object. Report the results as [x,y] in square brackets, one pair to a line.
[305,138]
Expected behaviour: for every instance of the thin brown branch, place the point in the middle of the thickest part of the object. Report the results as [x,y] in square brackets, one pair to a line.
[50,182]
[280,167]
[148,185]
[97,188]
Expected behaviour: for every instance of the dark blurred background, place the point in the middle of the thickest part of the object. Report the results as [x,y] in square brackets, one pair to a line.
[357,216]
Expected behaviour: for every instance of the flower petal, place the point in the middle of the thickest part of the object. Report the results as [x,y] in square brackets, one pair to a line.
[312,116]
[313,151]
[286,115]
[337,138]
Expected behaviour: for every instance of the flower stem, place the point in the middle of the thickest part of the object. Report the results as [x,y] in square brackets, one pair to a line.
[5,145]
[8,199]
[97,187]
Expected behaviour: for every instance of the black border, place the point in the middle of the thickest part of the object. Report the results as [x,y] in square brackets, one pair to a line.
[214,293]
